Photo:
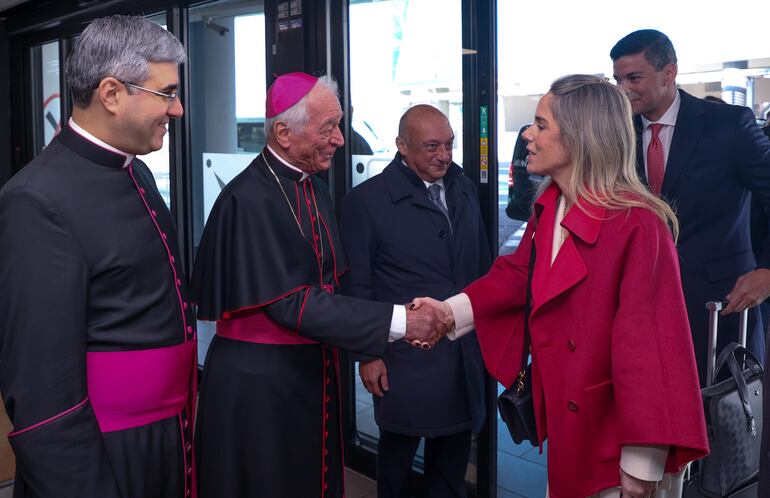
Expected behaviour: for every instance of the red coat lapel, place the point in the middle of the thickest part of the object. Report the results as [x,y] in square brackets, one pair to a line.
[583,223]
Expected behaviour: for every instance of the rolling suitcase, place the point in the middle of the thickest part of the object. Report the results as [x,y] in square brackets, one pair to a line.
[733,409]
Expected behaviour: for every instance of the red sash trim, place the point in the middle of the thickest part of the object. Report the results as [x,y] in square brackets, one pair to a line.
[258,328]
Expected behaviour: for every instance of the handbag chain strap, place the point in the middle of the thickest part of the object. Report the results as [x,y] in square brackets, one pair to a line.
[527,311]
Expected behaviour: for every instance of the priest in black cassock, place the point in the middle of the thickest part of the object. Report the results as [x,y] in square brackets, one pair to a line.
[267,272]
[97,336]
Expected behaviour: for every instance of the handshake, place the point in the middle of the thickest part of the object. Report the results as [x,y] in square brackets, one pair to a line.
[427,321]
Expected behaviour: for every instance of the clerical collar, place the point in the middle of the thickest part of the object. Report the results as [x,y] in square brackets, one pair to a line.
[303,173]
[669,117]
[83,133]
[440,181]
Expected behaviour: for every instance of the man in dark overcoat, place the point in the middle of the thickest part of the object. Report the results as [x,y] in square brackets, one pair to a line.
[414,230]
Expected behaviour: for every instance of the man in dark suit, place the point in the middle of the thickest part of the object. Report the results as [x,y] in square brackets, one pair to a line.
[416,230]
[706,159]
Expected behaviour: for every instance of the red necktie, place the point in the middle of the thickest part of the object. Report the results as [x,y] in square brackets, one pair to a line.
[655,160]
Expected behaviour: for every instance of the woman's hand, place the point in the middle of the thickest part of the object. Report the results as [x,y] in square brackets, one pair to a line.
[433,303]
[631,487]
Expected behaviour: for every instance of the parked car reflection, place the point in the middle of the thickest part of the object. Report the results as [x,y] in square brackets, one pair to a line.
[522,186]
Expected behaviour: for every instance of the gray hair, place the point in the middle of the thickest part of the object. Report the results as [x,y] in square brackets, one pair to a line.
[296,116]
[121,47]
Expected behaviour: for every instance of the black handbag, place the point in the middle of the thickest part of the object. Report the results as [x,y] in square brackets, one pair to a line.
[733,409]
[515,403]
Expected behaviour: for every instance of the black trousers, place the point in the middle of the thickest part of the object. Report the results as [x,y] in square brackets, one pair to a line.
[446,459]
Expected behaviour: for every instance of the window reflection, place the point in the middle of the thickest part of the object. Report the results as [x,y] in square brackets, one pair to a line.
[227,105]
[399,59]
[47,110]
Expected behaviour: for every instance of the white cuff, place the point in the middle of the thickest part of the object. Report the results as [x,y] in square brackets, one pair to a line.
[463,314]
[397,323]
[644,462]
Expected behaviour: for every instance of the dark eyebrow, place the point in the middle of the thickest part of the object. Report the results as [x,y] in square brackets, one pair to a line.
[170,88]
[540,119]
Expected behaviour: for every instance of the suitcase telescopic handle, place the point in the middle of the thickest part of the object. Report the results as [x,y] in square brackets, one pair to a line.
[714,308]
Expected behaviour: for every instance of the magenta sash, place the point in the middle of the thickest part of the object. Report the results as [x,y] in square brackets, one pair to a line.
[134,388]
[258,328]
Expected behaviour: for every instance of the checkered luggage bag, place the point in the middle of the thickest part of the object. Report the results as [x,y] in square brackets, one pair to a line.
[733,409]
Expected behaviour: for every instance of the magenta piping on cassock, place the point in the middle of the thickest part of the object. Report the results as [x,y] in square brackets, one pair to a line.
[134,388]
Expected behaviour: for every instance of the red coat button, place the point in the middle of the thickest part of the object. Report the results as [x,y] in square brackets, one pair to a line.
[326,486]
[572,406]
[185,424]
[184,305]
[328,399]
[328,381]
[571,345]
[189,469]
[154,213]
[326,452]
[188,447]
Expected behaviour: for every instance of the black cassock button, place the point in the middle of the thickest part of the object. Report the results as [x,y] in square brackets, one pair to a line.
[442,234]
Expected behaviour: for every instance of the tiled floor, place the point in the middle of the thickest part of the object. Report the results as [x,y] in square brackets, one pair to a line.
[356,485]
[521,469]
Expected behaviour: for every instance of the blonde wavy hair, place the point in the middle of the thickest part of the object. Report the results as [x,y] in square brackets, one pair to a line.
[597,128]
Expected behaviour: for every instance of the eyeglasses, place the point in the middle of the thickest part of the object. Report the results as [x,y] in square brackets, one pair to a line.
[170,97]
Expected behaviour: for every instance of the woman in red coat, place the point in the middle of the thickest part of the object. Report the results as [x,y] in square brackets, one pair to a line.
[614,380]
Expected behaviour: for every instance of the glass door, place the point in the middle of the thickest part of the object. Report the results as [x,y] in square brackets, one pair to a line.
[46,110]
[402,53]
[227,106]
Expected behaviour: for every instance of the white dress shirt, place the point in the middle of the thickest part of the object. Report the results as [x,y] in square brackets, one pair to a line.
[666,134]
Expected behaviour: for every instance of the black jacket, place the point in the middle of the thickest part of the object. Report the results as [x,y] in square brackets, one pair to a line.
[399,246]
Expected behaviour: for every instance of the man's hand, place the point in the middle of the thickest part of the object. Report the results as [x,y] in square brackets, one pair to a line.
[427,323]
[749,291]
[631,487]
[374,375]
